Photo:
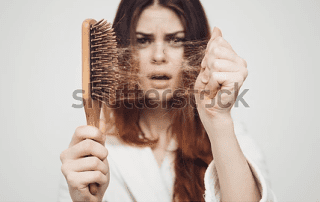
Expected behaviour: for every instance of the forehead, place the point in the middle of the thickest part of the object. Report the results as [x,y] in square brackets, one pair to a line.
[158,19]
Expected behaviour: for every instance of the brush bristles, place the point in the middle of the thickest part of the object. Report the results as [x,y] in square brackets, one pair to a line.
[104,61]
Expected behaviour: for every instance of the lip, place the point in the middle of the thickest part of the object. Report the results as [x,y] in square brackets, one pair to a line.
[159,76]
[159,79]
[160,84]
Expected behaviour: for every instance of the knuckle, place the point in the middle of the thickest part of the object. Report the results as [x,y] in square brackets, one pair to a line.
[216,50]
[105,169]
[92,133]
[62,156]
[210,63]
[101,175]
[244,62]
[106,163]
[203,63]
[95,163]
[97,175]
[95,132]
[105,179]
[245,73]
[88,144]
[216,64]
[79,130]
[106,152]
[83,132]
[63,169]
[72,179]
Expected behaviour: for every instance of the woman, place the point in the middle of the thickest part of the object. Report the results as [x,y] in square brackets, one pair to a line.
[163,149]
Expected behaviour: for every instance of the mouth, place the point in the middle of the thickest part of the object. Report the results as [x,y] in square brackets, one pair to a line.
[160,80]
[160,77]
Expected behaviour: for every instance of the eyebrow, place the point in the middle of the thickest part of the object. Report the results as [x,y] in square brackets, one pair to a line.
[168,34]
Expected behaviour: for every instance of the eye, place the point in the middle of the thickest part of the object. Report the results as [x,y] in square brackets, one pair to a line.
[176,41]
[143,41]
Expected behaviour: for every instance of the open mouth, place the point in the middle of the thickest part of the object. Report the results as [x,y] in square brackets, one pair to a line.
[160,77]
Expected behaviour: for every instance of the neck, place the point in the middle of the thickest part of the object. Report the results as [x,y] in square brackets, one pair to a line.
[155,123]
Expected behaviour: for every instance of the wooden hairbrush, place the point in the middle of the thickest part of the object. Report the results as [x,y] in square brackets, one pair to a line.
[99,71]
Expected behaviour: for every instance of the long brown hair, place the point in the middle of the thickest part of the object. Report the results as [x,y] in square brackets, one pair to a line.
[194,151]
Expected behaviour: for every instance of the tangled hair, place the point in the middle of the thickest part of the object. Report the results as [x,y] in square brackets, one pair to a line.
[193,153]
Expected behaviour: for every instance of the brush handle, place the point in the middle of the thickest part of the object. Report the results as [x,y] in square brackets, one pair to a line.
[91,107]
[92,110]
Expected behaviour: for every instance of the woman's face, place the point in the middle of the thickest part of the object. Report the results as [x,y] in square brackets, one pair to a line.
[160,35]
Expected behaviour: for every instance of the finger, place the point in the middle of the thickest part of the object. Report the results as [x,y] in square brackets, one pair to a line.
[212,63]
[87,132]
[90,163]
[215,34]
[199,84]
[219,42]
[207,73]
[224,81]
[85,148]
[83,179]
[220,52]
[213,86]
[222,65]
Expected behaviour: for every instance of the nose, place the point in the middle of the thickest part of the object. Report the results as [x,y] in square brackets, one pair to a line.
[159,55]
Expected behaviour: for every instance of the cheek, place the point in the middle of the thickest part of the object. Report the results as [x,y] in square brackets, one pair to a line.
[176,54]
[143,60]
[177,60]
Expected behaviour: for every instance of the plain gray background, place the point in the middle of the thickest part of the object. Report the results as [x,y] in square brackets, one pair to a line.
[40,52]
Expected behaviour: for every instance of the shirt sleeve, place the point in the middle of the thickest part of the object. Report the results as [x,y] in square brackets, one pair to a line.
[256,162]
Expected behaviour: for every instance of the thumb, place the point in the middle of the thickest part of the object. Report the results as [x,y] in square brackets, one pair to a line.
[202,93]
[201,80]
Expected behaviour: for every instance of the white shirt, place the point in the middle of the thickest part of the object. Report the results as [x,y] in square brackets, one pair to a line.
[136,176]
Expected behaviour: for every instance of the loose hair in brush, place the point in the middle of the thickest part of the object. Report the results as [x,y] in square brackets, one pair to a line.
[194,151]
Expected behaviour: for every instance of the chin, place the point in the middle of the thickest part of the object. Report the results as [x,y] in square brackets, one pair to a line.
[159,95]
